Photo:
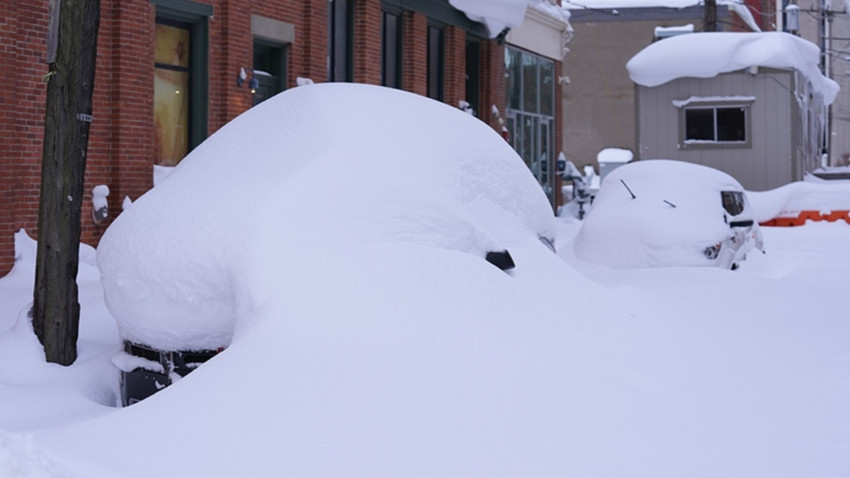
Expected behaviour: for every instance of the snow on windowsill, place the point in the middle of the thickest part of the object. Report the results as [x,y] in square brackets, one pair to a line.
[713,99]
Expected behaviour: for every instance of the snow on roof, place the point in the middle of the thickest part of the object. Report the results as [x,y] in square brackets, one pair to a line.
[606,4]
[496,15]
[708,54]
[736,6]
[671,31]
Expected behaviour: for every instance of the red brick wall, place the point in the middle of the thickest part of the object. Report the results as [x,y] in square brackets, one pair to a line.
[308,57]
[120,153]
[493,85]
[455,65]
[23,27]
[415,53]
[367,42]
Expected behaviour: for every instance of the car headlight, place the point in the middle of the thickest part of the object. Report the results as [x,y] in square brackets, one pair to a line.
[711,252]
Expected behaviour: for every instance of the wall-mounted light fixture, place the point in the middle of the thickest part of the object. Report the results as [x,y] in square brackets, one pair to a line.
[99,204]
[254,84]
[792,19]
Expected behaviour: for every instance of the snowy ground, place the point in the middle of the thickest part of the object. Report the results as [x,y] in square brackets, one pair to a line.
[369,337]
[711,373]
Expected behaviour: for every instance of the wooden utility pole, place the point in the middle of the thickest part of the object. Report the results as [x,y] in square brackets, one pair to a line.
[710,20]
[71,54]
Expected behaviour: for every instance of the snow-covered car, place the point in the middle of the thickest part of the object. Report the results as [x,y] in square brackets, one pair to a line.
[307,188]
[662,213]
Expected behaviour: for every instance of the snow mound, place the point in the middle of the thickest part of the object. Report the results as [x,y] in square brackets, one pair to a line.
[708,54]
[656,213]
[791,199]
[332,165]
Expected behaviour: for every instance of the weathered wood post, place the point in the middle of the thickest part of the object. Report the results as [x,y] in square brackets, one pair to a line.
[72,50]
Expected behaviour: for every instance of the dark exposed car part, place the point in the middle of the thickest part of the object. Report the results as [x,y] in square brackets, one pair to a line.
[733,202]
[501,259]
[142,382]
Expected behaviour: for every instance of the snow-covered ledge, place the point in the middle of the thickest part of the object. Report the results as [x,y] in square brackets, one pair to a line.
[541,33]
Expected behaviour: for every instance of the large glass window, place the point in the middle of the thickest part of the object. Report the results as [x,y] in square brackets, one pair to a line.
[171,93]
[391,50]
[340,40]
[180,78]
[435,62]
[530,113]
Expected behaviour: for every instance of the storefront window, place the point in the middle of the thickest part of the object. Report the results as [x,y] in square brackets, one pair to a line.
[530,113]
[171,94]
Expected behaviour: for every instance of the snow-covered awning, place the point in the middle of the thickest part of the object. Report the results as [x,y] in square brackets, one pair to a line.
[496,15]
[708,54]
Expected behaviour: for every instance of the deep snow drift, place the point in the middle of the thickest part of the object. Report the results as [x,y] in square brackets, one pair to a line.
[371,339]
[275,177]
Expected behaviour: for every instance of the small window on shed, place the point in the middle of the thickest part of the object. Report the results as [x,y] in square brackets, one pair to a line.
[715,122]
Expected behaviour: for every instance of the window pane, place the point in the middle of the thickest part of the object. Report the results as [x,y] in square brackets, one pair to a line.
[529,79]
[528,152]
[171,116]
[340,33]
[171,94]
[390,51]
[731,124]
[699,124]
[547,87]
[514,72]
[171,46]
[435,63]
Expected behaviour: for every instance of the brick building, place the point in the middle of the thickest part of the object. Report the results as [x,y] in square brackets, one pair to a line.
[171,72]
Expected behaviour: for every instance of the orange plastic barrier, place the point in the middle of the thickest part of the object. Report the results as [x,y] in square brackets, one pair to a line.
[803,216]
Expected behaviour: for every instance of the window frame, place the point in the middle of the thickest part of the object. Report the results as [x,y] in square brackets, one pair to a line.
[714,105]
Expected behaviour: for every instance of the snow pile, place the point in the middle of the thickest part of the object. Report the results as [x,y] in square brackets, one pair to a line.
[496,15]
[791,199]
[708,54]
[664,32]
[177,280]
[614,155]
[373,340]
[656,213]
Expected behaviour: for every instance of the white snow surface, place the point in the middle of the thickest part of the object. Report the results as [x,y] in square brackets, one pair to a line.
[496,15]
[372,340]
[708,54]
[614,155]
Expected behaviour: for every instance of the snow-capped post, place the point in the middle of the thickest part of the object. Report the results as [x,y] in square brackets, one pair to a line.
[72,45]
